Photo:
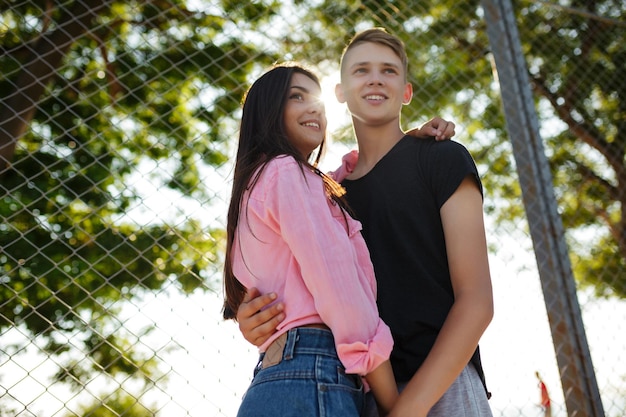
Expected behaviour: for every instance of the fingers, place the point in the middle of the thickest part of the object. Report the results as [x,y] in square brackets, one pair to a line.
[437,127]
[441,129]
[266,323]
[251,294]
[255,325]
[448,131]
[252,302]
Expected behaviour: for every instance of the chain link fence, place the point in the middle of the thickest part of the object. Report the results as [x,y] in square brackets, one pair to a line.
[118,122]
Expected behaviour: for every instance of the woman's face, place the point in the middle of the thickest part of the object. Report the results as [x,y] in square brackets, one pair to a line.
[304,115]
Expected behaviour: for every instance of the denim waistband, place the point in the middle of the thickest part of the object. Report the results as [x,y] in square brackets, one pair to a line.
[307,340]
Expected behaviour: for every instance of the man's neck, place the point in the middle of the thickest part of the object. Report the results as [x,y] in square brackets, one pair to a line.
[374,143]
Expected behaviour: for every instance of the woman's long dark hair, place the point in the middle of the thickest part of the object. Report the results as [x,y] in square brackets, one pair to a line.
[262,137]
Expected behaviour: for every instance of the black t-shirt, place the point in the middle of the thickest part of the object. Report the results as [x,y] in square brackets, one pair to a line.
[398,203]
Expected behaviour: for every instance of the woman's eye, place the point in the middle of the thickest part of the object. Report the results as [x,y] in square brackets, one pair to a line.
[296,96]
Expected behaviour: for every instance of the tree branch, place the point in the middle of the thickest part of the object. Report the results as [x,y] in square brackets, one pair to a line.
[39,68]
[582,130]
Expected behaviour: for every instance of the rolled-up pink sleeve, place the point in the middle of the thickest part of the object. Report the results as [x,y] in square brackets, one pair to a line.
[348,161]
[362,358]
[334,262]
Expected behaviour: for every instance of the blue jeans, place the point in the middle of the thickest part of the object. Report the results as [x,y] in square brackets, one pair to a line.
[310,381]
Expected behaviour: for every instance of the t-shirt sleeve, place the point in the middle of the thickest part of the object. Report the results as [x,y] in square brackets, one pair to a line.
[448,163]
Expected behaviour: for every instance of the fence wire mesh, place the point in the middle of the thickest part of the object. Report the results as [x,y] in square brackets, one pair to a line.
[118,122]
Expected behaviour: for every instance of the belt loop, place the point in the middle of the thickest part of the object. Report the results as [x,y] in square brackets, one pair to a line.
[290,346]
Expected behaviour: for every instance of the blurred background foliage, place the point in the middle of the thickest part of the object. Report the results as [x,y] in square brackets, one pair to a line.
[104,100]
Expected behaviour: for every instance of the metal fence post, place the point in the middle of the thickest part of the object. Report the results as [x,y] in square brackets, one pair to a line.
[582,397]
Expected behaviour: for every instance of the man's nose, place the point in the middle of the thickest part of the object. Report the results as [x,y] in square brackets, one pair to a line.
[375,79]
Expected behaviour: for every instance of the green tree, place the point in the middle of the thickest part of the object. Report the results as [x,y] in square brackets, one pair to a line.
[120,403]
[585,89]
[97,93]
[93,93]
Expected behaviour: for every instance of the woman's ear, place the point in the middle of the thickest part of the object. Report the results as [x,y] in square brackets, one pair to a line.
[339,93]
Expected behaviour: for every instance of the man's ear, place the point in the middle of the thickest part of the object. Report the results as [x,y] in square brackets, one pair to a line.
[339,93]
[408,93]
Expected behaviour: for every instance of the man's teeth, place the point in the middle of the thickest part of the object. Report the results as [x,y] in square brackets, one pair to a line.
[375,97]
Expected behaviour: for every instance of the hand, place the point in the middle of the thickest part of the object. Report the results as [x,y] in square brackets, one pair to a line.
[437,127]
[257,326]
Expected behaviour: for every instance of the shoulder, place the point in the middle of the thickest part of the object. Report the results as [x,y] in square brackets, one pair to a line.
[285,172]
[430,144]
[444,165]
[277,170]
[282,162]
[429,151]
[450,146]
[449,150]
[281,168]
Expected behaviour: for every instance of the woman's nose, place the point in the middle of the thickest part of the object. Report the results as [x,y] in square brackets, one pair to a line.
[317,107]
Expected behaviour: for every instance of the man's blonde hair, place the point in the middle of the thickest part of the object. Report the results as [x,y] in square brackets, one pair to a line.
[382,37]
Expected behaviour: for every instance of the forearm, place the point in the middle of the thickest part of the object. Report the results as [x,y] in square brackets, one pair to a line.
[452,351]
[383,386]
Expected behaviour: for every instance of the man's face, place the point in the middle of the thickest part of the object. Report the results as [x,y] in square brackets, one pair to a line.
[373,83]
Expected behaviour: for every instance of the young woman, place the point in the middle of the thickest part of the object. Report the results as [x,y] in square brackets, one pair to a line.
[289,233]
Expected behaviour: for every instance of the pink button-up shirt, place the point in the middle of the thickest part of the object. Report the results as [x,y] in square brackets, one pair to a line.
[294,241]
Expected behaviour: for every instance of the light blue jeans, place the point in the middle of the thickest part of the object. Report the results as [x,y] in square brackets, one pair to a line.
[309,382]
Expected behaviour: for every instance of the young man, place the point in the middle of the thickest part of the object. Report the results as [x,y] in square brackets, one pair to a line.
[420,203]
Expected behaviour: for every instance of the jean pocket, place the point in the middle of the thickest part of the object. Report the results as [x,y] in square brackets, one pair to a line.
[336,378]
[344,397]
[351,380]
